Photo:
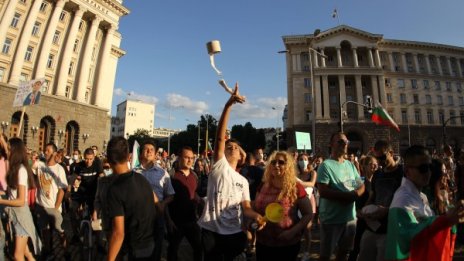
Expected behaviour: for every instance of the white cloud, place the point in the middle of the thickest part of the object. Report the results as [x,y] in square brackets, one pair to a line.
[260,109]
[135,96]
[175,100]
[208,93]
[119,92]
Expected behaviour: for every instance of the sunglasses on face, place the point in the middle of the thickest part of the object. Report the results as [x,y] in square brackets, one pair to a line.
[343,142]
[382,158]
[280,162]
[423,168]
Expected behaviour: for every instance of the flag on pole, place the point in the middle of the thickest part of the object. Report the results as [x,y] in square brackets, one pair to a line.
[381,117]
[135,155]
[334,13]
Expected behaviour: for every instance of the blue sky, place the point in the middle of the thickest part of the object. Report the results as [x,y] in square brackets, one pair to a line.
[167,62]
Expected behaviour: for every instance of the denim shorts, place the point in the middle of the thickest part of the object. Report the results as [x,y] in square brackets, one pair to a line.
[19,230]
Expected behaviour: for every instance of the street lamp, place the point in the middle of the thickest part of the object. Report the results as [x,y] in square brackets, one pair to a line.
[446,122]
[60,134]
[85,136]
[4,125]
[34,130]
[409,127]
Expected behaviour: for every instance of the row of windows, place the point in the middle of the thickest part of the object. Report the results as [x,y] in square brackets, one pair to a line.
[430,119]
[428,99]
[401,83]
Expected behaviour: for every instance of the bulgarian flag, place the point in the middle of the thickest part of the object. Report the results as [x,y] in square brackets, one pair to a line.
[408,239]
[381,117]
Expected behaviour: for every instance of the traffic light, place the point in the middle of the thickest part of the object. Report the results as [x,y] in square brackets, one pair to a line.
[369,103]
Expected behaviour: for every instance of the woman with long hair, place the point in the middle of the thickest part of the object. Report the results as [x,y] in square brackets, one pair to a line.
[307,177]
[281,240]
[20,179]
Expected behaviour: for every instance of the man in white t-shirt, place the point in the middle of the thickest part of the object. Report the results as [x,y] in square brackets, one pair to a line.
[228,196]
[52,184]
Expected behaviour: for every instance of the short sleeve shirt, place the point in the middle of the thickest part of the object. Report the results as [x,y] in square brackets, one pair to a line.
[159,180]
[342,177]
[51,180]
[227,189]
[22,180]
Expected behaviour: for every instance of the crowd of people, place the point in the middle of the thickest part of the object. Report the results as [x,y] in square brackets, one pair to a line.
[376,207]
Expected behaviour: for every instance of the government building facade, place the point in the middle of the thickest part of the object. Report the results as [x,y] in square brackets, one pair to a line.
[418,83]
[74,46]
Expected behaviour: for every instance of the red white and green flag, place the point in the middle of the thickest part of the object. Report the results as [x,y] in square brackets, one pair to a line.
[408,239]
[381,117]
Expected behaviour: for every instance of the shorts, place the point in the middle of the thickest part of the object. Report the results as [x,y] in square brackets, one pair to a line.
[19,230]
[337,235]
[48,217]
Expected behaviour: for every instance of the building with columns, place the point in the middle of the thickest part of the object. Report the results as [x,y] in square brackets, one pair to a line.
[74,45]
[418,83]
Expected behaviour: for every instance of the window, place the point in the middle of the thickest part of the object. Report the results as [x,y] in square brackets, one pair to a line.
[458,87]
[45,86]
[452,118]
[308,115]
[307,97]
[387,82]
[23,77]
[439,100]
[348,84]
[50,60]
[56,37]
[23,1]
[15,21]
[403,98]
[76,46]
[414,83]
[400,83]
[43,7]
[404,116]
[428,99]
[67,91]
[307,82]
[35,29]
[333,99]
[2,73]
[461,115]
[450,100]
[28,55]
[461,101]
[71,67]
[87,96]
[417,116]
[426,84]
[389,98]
[437,85]
[415,98]
[6,46]
[62,15]
[430,117]
[448,86]
[441,117]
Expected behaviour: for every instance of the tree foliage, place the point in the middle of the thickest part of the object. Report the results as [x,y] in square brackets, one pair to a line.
[249,137]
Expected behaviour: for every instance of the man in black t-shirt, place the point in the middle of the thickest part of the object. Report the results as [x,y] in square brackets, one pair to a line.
[131,208]
[385,182]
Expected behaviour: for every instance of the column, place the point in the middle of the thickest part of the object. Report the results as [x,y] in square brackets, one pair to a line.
[341,87]
[437,59]
[21,48]
[427,62]
[458,62]
[67,52]
[315,59]
[48,39]
[377,58]
[392,64]
[106,52]
[359,96]
[355,57]
[325,95]
[448,62]
[416,62]
[323,59]
[339,57]
[375,89]
[86,59]
[383,94]
[6,20]
[318,98]
[405,65]
[369,56]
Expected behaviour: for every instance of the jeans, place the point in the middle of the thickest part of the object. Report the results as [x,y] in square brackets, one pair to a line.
[219,247]
[192,232]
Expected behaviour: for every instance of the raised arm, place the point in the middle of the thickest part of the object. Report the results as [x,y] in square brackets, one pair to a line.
[222,125]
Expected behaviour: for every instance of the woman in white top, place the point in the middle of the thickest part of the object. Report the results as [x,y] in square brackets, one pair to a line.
[19,179]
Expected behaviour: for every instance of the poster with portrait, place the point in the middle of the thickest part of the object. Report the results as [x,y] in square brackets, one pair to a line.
[29,93]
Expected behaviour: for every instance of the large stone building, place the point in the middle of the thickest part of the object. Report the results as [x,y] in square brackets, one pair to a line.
[132,115]
[74,45]
[419,84]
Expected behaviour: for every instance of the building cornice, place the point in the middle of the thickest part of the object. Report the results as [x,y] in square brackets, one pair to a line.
[122,10]
[118,52]
[416,44]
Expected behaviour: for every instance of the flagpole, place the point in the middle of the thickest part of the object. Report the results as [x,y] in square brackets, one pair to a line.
[21,121]
[206,137]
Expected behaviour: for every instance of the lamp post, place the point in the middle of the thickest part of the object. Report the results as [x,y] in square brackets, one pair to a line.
[446,122]
[85,136]
[4,125]
[409,127]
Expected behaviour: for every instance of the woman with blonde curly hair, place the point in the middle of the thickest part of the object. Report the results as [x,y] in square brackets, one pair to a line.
[281,240]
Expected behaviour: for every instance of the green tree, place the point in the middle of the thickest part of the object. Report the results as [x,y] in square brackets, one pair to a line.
[140,135]
[249,137]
